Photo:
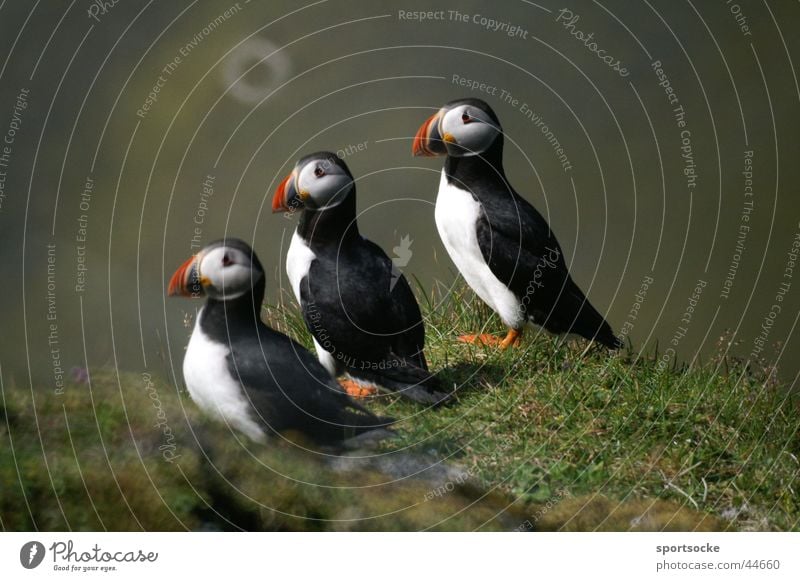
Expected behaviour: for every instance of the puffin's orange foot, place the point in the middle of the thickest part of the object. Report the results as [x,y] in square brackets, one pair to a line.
[512,339]
[484,339]
[357,390]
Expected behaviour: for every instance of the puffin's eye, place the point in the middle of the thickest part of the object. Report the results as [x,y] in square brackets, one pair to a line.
[226,260]
[465,117]
[319,172]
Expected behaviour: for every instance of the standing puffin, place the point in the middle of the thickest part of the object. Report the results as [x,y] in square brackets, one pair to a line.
[248,375]
[361,312]
[502,246]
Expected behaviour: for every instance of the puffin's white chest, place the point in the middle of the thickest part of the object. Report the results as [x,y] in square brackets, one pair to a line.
[457,214]
[211,386]
[298,262]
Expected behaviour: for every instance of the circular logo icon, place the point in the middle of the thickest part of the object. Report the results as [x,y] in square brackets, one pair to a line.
[31,554]
[256,57]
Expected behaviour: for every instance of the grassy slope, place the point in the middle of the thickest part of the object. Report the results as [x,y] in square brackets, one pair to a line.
[544,421]
[549,438]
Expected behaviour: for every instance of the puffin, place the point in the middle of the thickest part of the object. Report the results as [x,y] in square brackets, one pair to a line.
[501,245]
[251,377]
[360,310]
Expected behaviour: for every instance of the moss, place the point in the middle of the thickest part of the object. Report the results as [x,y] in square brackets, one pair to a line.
[544,437]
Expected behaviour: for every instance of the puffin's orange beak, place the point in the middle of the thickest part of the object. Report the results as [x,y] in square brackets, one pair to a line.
[279,198]
[186,282]
[428,141]
[287,198]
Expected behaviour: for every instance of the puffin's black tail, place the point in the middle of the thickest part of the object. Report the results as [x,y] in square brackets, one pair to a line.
[403,377]
[359,420]
[367,439]
[605,336]
[352,426]
[590,324]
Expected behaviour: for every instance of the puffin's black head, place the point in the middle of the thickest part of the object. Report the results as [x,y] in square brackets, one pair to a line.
[223,270]
[319,181]
[461,128]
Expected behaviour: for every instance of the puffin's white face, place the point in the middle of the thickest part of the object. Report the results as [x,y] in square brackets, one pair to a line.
[322,183]
[467,130]
[226,273]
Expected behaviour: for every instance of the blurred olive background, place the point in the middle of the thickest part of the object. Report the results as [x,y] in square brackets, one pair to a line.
[246,88]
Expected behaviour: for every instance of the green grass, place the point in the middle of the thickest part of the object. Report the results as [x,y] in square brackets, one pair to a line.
[546,437]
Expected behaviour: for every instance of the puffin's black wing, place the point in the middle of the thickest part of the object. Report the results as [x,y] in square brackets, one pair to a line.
[409,342]
[291,390]
[405,318]
[523,253]
[368,319]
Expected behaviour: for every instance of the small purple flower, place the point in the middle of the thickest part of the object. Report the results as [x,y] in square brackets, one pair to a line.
[80,374]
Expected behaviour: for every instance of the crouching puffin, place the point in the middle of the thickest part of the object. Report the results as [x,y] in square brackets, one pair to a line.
[361,312]
[500,244]
[253,378]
